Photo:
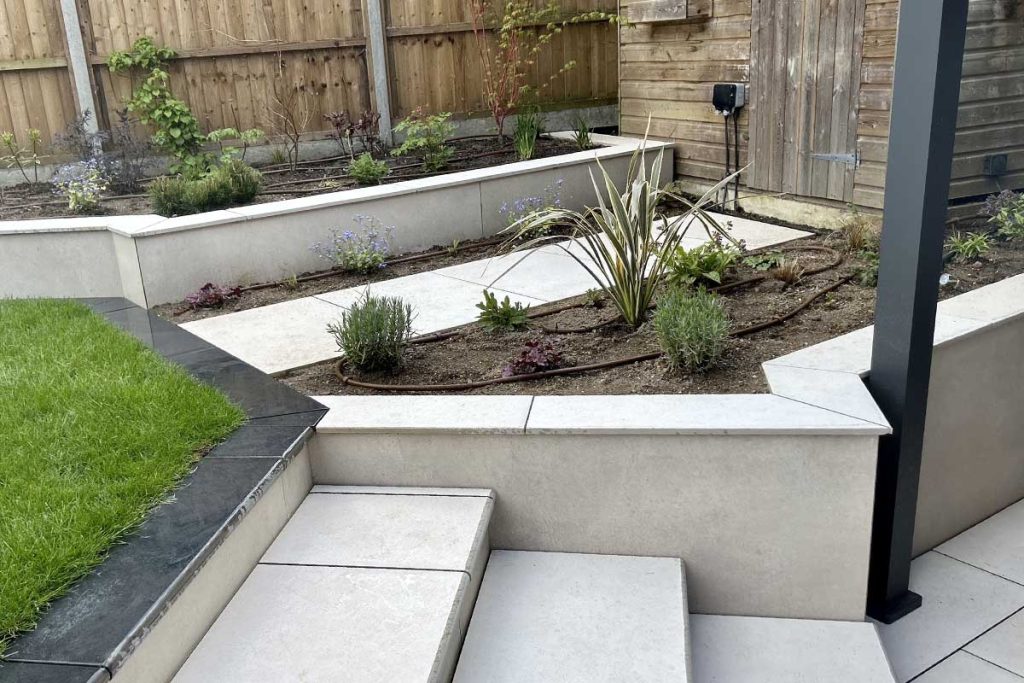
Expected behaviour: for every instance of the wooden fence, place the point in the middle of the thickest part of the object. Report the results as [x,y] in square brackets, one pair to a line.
[237,58]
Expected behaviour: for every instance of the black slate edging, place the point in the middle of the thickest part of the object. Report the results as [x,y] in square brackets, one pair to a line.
[85,635]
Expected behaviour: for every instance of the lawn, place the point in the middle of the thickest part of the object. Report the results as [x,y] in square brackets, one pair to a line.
[95,429]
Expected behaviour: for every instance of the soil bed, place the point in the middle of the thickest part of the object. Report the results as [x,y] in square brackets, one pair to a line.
[30,200]
[477,355]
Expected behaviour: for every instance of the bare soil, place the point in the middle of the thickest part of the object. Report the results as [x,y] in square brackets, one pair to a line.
[476,354]
[30,200]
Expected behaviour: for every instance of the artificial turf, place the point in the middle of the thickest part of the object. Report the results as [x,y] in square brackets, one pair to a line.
[95,429]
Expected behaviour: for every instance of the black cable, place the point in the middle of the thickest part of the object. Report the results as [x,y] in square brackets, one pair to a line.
[725,190]
[736,152]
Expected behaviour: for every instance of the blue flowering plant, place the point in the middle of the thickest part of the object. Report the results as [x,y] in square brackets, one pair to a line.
[523,209]
[82,183]
[362,250]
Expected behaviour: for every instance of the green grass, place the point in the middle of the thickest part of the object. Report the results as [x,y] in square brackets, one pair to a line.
[95,429]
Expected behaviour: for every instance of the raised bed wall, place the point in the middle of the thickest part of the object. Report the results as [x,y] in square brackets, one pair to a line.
[153,260]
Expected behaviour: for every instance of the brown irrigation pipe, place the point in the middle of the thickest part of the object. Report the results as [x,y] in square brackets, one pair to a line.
[604,365]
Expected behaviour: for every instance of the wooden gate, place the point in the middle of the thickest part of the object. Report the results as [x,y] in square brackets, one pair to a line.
[805,79]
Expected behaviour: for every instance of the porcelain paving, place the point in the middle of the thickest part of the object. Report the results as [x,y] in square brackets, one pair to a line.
[278,337]
[962,667]
[840,392]
[995,302]
[960,603]
[299,623]
[730,649]
[543,617]
[995,545]
[406,532]
[404,491]
[1003,645]
[389,414]
[438,302]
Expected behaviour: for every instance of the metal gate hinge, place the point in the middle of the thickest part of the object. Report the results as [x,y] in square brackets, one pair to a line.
[848,159]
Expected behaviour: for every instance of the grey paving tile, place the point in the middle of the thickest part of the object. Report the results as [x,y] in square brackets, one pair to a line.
[1003,645]
[962,667]
[995,545]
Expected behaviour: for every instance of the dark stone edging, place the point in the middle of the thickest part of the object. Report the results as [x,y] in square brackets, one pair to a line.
[85,635]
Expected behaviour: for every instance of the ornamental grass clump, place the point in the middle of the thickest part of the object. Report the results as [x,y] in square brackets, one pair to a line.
[374,332]
[228,184]
[624,242]
[692,328]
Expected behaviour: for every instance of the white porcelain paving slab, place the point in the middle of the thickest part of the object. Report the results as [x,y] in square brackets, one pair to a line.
[329,624]
[403,491]
[962,667]
[755,234]
[840,392]
[730,649]
[995,545]
[391,414]
[960,603]
[438,302]
[1003,645]
[279,337]
[411,532]
[544,617]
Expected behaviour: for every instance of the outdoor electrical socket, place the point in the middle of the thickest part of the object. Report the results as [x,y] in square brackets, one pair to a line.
[727,98]
[994,165]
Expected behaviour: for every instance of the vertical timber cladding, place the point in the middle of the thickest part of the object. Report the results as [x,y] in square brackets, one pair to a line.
[805,68]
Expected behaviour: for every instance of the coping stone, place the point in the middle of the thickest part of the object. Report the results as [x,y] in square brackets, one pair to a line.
[731,649]
[841,392]
[448,413]
[576,618]
[396,531]
[404,491]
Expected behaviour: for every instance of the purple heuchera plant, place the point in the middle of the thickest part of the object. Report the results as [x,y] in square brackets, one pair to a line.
[212,296]
[535,356]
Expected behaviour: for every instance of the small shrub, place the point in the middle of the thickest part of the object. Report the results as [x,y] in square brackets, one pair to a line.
[788,271]
[867,271]
[969,246]
[525,209]
[859,233]
[593,298]
[374,332]
[524,137]
[706,263]
[16,156]
[125,163]
[228,152]
[77,140]
[426,136]
[81,183]
[367,170]
[211,295]
[503,316]
[535,356]
[365,130]
[581,133]
[763,262]
[1006,212]
[359,251]
[226,185]
[692,328]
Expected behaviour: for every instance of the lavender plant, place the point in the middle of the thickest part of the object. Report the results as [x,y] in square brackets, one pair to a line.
[523,209]
[82,183]
[363,250]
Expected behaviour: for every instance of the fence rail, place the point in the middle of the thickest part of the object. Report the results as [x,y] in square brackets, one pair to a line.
[234,55]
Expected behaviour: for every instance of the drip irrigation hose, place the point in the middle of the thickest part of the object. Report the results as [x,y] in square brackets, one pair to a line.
[339,366]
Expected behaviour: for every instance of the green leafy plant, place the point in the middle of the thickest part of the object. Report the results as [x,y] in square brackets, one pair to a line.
[707,263]
[510,35]
[692,328]
[501,316]
[16,156]
[245,137]
[367,170]
[1006,212]
[373,333]
[625,241]
[524,137]
[229,184]
[177,129]
[426,136]
[82,184]
[764,261]
[968,246]
[867,269]
[581,133]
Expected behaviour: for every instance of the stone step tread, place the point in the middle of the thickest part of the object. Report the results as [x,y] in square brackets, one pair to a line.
[730,649]
[571,618]
[360,586]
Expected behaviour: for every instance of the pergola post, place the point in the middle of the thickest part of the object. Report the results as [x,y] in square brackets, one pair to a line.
[925,96]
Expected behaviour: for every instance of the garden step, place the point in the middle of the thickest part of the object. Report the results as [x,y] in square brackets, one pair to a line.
[730,649]
[568,617]
[362,584]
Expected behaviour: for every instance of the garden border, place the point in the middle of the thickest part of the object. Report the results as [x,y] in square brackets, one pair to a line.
[152,260]
[170,578]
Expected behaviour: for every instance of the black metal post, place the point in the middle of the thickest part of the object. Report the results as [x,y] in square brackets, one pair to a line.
[925,95]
